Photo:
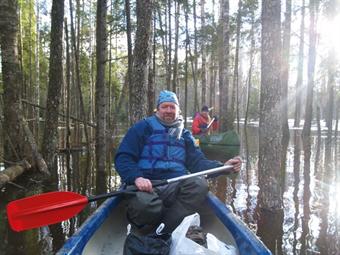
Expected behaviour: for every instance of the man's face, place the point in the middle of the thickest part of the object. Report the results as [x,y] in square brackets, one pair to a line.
[168,112]
[205,114]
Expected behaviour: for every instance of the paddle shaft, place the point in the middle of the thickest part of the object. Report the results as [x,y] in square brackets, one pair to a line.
[163,182]
[211,122]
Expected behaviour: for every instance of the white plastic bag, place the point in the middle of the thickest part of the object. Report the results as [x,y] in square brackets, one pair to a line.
[219,247]
[181,245]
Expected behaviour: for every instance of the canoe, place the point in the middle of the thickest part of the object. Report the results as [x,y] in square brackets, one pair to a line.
[104,232]
[220,145]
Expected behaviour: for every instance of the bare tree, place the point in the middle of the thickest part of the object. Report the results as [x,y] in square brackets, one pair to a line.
[311,68]
[100,106]
[251,65]
[11,75]
[152,71]
[175,69]
[224,63]
[37,69]
[129,45]
[331,11]
[231,108]
[141,59]
[186,11]
[195,59]
[270,129]
[50,137]
[203,52]
[299,81]
[168,74]
[285,69]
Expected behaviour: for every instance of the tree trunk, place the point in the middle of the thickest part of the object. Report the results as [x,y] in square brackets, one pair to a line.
[175,70]
[331,66]
[129,47]
[298,86]
[76,50]
[186,11]
[231,108]
[37,69]
[101,97]
[311,69]
[36,156]
[152,72]
[213,71]
[270,127]
[251,63]
[164,42]
[330,92]
[212,82]
[223,65]
[168,75]
[68,99]
[195,59]
[141,60]
[203,52]
[285,71]
[11,76]
[9,174]
[50,137]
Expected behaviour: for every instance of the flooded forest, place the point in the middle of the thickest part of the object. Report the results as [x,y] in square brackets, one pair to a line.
[75,75]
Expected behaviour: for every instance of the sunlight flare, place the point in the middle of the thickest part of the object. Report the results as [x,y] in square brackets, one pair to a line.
[330,37]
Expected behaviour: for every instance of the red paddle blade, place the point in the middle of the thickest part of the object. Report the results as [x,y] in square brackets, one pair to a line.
[44,209]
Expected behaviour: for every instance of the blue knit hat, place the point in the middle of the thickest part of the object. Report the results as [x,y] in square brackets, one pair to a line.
[167,96]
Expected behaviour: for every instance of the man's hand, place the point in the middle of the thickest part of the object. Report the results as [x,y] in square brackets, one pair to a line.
[143,184]
[236,162]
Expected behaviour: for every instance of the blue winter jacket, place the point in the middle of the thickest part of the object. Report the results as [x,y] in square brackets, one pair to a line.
[131,148]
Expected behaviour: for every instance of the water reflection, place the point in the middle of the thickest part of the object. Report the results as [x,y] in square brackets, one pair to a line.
[297,153]
[310,221]
[36,241]
[307,234]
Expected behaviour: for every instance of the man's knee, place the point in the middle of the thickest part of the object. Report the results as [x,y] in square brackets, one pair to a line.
[194,189]
[144,209]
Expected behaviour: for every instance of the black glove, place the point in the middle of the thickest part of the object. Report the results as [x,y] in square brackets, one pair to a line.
[215,118]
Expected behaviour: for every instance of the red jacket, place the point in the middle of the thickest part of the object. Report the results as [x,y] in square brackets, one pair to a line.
[201,122]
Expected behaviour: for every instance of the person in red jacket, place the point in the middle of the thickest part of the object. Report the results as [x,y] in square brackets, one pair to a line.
[202,121]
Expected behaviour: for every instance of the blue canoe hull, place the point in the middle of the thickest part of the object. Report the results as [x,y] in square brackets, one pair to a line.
[245,240]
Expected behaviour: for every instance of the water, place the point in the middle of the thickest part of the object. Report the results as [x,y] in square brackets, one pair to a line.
[310,220]
[308,224]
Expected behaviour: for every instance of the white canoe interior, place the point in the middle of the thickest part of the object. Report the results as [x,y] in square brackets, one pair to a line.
[110,237]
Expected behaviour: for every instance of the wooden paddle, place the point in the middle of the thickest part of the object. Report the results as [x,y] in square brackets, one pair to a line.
[53,207]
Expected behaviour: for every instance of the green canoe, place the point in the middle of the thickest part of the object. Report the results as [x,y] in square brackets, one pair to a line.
[221,146]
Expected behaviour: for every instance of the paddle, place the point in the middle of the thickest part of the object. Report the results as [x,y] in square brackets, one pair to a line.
[53,207]
[211,122]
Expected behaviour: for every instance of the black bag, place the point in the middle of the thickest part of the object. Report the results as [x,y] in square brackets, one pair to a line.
[147,245]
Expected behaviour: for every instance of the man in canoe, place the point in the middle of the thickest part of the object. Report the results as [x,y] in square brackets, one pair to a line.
[203,123]
[158,148]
